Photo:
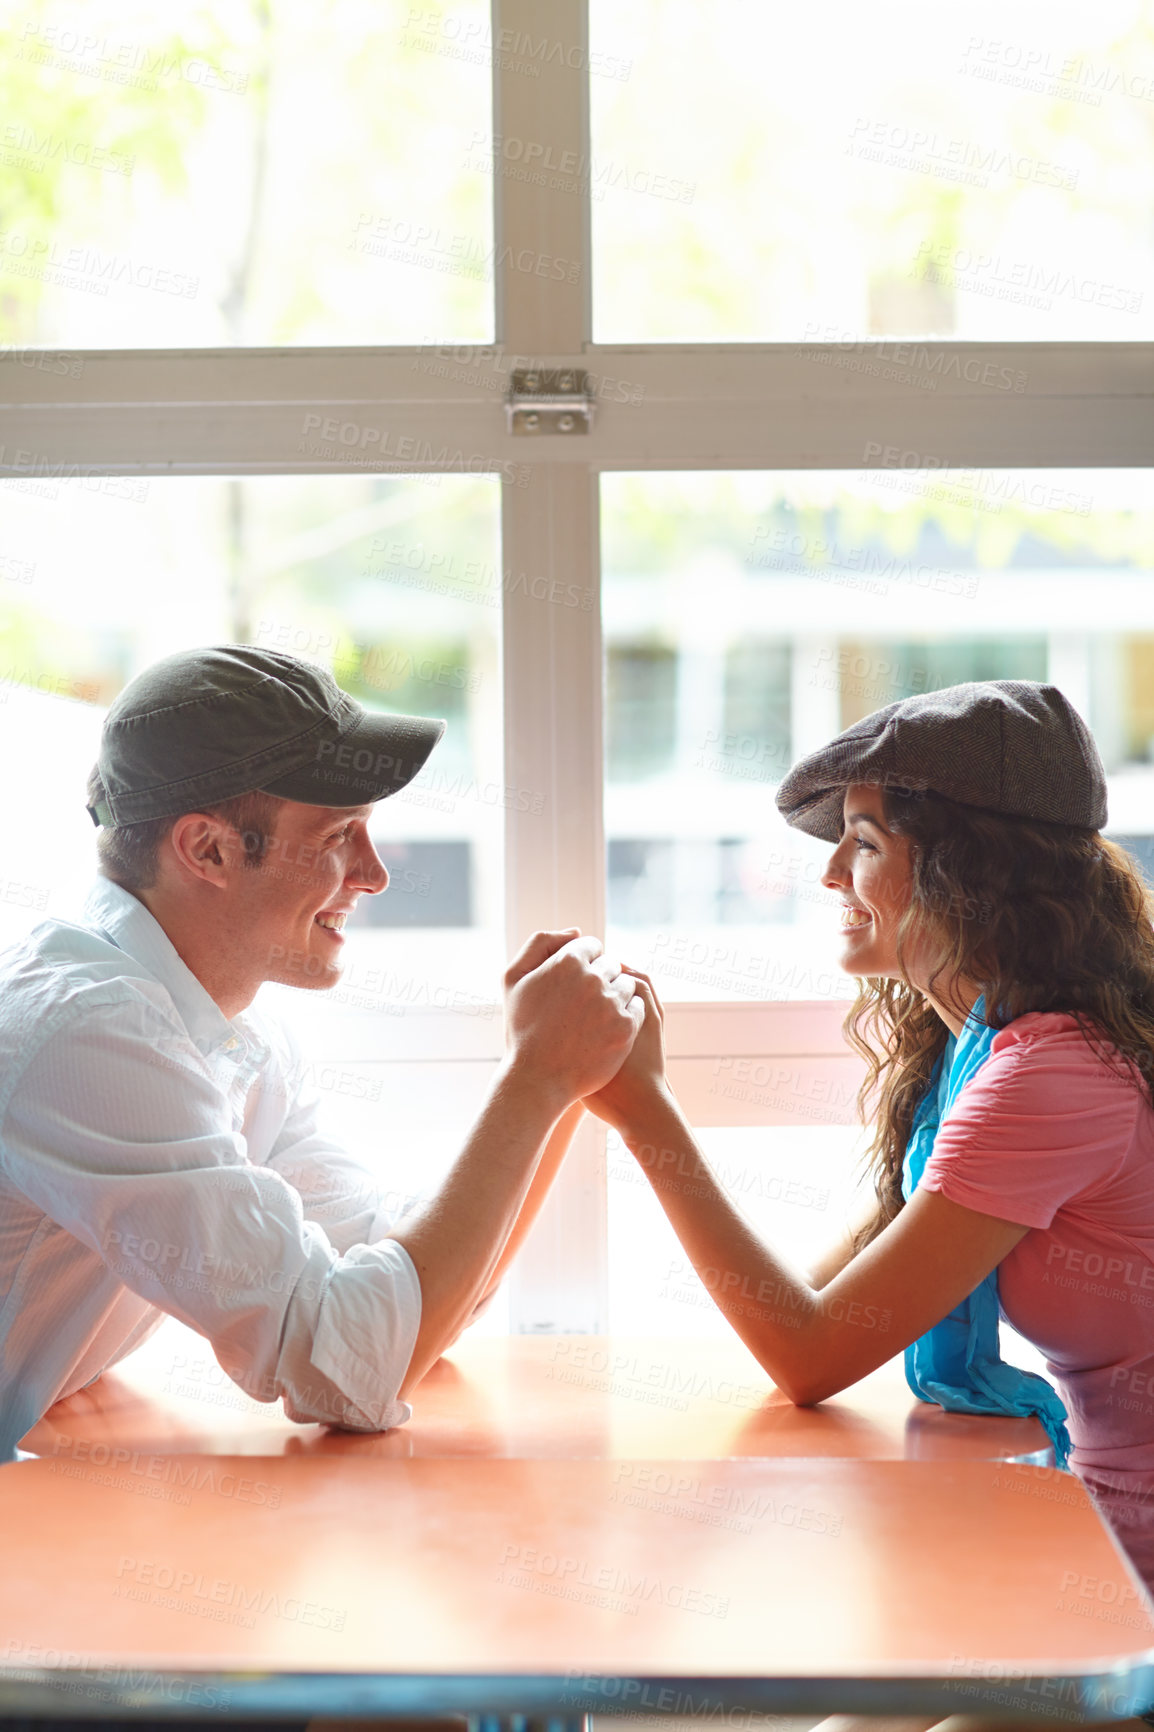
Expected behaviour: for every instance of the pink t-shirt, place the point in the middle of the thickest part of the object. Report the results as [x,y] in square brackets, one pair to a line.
[1048,1135]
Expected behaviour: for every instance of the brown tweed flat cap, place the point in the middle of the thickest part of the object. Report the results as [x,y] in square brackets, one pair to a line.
[1010,746]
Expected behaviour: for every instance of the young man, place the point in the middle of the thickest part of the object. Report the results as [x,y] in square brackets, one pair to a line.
[156,1154]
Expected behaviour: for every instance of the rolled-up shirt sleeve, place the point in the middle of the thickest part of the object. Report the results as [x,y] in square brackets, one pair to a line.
[121,1133]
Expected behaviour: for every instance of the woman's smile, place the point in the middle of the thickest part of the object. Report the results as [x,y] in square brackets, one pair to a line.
[871,867]
[851,916]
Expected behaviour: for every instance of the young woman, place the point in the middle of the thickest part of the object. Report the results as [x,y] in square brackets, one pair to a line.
[1005,954]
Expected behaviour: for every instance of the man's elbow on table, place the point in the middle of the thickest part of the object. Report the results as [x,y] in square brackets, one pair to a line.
[348,1341]
[326,1405]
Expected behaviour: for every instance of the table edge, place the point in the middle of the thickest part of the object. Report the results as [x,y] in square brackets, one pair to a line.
[1124,1689]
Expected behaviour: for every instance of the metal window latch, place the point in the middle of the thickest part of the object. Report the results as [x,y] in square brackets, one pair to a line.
[549,402]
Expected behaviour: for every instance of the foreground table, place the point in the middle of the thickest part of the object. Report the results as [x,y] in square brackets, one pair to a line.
[563,1587]
[568,1525]
[533,1396]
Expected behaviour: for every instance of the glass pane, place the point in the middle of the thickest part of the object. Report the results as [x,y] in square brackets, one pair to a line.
[245,171]
[834,172]
[749,618]
[374,578]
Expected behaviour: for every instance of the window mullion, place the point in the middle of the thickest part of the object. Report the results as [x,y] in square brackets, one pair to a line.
[555,855]
[541,139]
[554,847]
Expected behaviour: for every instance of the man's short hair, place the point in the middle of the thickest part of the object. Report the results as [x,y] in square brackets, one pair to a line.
[129,853]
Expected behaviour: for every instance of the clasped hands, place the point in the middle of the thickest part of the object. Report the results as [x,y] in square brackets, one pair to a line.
[586,1028]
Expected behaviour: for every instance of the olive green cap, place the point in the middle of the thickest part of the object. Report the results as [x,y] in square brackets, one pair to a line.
[207,724]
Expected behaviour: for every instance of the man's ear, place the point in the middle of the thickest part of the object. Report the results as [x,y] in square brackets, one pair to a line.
[203,847]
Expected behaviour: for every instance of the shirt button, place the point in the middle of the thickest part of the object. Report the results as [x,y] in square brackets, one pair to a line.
[231,1045]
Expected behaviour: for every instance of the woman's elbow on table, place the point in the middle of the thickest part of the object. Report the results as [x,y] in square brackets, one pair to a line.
[808,1367]
[807,1386]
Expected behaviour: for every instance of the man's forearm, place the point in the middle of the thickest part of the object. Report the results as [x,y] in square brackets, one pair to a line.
[549,1165]
[456,1238]
[555,1150]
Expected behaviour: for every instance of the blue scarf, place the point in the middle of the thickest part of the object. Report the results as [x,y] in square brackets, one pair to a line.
[958,1363]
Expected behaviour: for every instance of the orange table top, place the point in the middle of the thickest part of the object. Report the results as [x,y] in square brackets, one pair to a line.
[532,1396]
[568,1524]
[307,1584]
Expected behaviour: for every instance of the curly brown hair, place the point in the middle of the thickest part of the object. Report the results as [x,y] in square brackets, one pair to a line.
[1042,917]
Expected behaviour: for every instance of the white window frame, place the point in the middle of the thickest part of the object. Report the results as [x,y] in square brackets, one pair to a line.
[695,406]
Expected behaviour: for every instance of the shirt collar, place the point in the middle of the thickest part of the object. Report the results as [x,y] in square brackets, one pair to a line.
[124,919]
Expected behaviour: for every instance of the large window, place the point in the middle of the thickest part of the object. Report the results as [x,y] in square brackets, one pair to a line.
[869,413]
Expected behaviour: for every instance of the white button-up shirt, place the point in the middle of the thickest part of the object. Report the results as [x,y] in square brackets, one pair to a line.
[157,1158]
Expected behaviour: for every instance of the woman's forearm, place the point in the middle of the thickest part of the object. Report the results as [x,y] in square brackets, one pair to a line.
[815,1337]
[775,1310]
